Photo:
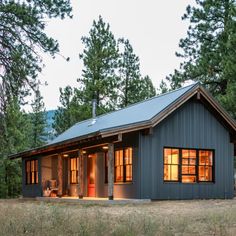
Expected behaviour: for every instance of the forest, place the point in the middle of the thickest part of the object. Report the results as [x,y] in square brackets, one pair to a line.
[111,72]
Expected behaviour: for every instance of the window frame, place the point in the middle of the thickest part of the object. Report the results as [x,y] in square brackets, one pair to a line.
[179,166]
[124,181]
[76,170]
[36,172]
[196,166]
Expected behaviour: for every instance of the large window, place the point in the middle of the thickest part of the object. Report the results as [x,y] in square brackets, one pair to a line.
[31,172]
[74,170]
[188,165]
[188,169]
[171,164]
[123,165]
[205,166]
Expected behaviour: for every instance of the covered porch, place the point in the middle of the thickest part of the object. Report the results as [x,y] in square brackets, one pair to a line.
[79,173]
[100,171]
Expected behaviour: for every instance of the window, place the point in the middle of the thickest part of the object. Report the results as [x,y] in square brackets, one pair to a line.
[74,170]
[205,166]
[188,168]
[171,164]
[188,165]
[123,165]
[31,172]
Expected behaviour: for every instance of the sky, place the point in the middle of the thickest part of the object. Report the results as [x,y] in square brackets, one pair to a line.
[153,27]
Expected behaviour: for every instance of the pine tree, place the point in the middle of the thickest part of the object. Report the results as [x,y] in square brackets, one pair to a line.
[14,137]
[38,121]
[209,50]
[72,110]
[163,87]
[100,57]
[22,37]
[132,87]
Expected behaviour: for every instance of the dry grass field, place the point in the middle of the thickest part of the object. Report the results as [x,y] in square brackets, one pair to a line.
[204,217]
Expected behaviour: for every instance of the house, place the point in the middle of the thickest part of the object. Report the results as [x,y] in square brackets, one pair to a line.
[179,145]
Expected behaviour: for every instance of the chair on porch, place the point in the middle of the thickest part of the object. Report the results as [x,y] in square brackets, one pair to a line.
[50,188]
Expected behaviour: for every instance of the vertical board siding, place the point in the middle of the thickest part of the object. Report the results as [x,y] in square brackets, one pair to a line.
[121,190]
[31,190]
[191,126]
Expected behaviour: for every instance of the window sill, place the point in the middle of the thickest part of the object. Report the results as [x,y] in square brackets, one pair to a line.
[172,182]
[121,183]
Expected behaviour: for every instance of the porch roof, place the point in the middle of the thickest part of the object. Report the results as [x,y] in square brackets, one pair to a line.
[138,116]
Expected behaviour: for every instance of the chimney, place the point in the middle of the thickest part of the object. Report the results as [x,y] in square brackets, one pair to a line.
[94,105]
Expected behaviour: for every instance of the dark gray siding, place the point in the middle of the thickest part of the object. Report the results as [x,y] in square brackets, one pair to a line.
[121,190]
[191,126]
[31,190]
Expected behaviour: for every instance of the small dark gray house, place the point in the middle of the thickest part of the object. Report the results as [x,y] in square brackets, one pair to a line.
[179,145]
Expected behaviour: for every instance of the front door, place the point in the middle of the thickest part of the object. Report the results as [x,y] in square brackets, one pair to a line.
[91,175]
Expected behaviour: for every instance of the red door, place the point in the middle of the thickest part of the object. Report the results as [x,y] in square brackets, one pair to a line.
[91,175]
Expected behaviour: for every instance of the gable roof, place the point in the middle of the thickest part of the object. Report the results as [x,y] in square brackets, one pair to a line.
[132,115]
[138,116]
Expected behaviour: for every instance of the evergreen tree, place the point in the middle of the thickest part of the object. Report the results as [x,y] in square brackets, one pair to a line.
[72,110]
[22,36]
[209,50]
[99,80]
[14,137]
[133,88]
[163,87]
[146,88]
[38,121]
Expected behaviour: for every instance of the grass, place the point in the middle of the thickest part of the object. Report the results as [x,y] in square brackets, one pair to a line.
[204,217]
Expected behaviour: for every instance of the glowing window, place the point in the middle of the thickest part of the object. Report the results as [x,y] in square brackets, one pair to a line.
[171,164]
[123,165]
[188,165]
[74,170]
[31,172]
[205,166]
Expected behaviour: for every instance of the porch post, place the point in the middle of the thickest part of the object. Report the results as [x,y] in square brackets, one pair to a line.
[80,174]
[110,171]
[59,175]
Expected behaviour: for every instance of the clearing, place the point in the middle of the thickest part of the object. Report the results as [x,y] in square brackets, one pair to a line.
[195,217]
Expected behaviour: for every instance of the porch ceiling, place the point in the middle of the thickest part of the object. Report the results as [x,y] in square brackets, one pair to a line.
[76,144]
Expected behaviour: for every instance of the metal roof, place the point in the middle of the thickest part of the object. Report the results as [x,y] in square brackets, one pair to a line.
[134,114]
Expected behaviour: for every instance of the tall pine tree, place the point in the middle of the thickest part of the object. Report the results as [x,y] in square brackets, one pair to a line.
[38,121]
[132,87]
[100,57]
[209,50]
[14,137]
[72,109]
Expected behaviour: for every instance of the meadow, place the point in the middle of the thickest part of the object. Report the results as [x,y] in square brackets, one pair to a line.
[201,217]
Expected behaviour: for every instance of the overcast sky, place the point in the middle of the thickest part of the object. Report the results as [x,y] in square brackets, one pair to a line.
[153,28]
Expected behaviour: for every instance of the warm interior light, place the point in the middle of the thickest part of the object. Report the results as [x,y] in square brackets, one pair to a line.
[65,155]
[105,147]
[83,152]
